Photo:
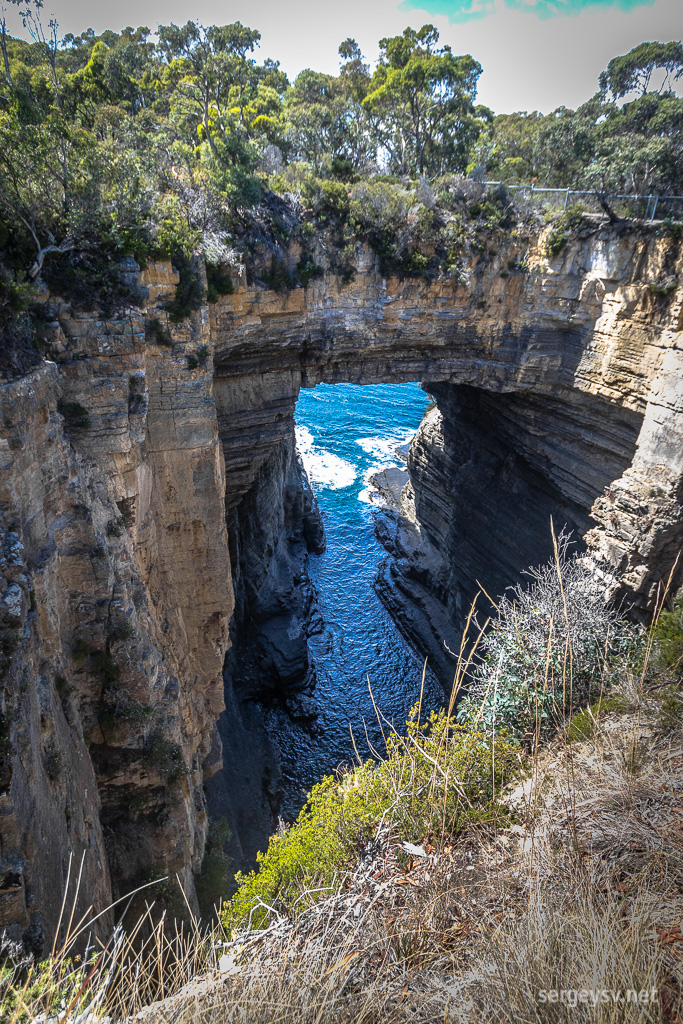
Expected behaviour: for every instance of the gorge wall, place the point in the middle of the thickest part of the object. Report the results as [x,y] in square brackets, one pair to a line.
[154,518]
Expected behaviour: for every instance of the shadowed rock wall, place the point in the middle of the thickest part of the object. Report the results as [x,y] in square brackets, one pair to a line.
[122,460]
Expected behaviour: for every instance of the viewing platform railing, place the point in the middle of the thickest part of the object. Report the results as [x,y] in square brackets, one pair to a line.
[653,201]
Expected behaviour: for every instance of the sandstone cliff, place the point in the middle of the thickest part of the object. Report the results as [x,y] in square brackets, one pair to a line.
[145,495]
[558,384]
[116,606]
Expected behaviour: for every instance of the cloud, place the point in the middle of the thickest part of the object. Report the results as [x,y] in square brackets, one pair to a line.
[464,10]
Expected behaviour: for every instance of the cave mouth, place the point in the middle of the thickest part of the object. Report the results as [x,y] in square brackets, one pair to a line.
[488,470]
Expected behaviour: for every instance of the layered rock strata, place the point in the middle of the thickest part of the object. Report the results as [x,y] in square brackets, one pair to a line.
[115,600]
[148,481]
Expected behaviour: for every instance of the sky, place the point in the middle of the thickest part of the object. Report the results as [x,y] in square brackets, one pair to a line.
[536,54]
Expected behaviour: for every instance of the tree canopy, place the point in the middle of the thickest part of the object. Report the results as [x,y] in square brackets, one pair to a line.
[172,144]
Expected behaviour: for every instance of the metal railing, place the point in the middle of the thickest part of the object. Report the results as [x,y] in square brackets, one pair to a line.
[650,211]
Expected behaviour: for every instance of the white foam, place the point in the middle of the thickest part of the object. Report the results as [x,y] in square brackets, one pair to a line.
[384,450]
[324,468]
[369,495]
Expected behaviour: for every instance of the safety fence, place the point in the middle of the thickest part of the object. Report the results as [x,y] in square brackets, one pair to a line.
[645,206]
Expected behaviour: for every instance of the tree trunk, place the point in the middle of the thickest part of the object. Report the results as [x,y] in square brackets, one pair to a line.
[3,44]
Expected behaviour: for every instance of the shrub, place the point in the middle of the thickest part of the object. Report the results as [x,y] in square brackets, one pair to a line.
[437,779]
[189,292]
[75,415]
[417,263]
[165,758]
[200,357]
[547,651]
[334,199]
[378,210]
[490,212]
[157,334]
[663,287]
[668,639]
[174,235]
[671,228]
[115,528]
[218,281]
[561,230]
[306,270]
[584,724]
[99,662]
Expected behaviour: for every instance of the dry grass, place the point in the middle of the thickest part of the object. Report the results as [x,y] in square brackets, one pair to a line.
[573,912]
[583,895]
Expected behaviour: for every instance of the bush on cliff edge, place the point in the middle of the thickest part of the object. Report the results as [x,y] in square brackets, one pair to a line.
[437,779]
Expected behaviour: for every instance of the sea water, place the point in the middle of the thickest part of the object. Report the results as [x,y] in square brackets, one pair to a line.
[368,677]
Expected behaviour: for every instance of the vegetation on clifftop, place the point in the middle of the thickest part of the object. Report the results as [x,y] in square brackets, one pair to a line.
[123,146]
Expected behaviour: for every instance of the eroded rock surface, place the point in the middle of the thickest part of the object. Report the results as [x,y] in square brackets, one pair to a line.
[559,391]
[116,609]
[144,496]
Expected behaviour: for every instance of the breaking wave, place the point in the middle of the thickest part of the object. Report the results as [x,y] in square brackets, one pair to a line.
[324,468]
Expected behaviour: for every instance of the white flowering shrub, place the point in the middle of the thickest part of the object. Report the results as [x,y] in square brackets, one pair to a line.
[553,645]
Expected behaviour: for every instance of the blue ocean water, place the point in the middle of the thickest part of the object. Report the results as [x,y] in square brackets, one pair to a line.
[344,433]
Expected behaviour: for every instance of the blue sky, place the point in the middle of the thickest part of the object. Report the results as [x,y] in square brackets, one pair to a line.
[536,54]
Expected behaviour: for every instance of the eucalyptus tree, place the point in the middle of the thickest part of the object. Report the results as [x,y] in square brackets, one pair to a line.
[422,97]
[217,91]
[633,71]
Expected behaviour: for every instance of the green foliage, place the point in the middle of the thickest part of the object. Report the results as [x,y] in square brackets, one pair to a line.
[633,72]
[583,724]
[417,263]
[47,983]
[306,270]
[98,662]
[422,98]
[668,639]
[198,359]
[88,282]
[663,287]
[279,277]
[218,282]
[549,649]
[488,211]
[119,145]
[335,199]
[378,211]
[561,230]
[157,333]
[436,780]
[165,758]
[189,292]
[166,893]
[212,882]
[671,228]
[175,236]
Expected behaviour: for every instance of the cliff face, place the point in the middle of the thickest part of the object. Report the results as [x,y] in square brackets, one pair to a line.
[116,606]
[558,390]
[144,496]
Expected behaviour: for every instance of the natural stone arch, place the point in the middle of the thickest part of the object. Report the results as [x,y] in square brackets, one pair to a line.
[578,357]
